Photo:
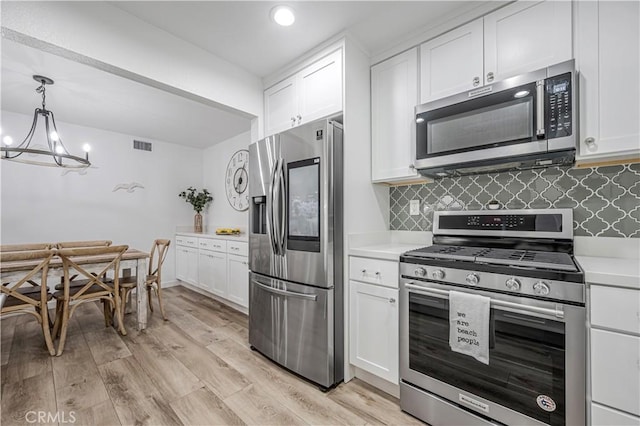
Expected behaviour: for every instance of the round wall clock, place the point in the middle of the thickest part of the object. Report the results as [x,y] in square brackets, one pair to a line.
[237,180]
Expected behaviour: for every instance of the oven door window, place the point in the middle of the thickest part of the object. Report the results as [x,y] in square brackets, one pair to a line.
[526,358]
[303,205]
[502,118]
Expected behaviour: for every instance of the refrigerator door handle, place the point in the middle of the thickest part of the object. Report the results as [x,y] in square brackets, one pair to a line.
[283,208]
[270,207]
[277,204]
[312,297]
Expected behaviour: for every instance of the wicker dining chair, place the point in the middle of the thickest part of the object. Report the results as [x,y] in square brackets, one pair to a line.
[22,293]
[97,286]
[153,280]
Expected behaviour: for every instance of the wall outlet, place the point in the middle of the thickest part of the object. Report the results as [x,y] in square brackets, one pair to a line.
[414,207]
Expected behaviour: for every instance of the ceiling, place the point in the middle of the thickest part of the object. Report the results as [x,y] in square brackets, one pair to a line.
[242,33]
[90,97]
[237,31]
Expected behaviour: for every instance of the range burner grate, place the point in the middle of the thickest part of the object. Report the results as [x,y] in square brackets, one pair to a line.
[517,258]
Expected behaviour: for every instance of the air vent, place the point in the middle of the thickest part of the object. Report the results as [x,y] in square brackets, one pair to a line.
[144,146]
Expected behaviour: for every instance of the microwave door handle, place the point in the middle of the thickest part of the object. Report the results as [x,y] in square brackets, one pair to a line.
[558,312]
[540,125]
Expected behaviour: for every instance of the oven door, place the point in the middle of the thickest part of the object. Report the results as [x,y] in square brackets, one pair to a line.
[536,356]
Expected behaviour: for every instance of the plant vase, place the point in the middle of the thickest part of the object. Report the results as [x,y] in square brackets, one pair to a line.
[197,223]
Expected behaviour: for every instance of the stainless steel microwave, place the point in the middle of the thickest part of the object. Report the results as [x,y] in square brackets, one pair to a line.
[522,122]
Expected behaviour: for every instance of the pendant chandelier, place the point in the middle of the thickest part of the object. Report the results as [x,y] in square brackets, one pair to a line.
[54,154]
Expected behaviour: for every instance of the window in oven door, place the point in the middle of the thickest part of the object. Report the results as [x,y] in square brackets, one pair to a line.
[526,358]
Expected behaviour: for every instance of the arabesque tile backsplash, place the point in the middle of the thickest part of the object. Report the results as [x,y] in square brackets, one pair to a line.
[605,200]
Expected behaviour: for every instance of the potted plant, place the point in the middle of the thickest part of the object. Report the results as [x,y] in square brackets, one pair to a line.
[199,201]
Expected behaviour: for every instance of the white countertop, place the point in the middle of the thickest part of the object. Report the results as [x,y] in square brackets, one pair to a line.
[611,271]
[240,237]
[390,251]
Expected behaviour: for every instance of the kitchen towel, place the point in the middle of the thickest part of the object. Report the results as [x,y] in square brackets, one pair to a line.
[469,325]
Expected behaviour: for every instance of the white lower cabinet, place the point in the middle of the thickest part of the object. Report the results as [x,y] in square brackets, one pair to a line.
[373,316]
[238,279]
[615,370]
[215,265]
[615,355]
[187,264]
[605,416]
[212,272]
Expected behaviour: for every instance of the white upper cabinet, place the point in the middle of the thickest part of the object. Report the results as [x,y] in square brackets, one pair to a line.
[452,63]
[394,95]
[516,39]
[280,103]
[312,93]
[526,36]
[608,58]
[320,88]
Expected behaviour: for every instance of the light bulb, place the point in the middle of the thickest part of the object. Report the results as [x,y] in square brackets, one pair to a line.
[86,147]
[7,140]
[54,136]
[283,15]
[59,149]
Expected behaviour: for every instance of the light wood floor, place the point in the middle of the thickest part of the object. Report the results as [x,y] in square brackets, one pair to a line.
[195,369]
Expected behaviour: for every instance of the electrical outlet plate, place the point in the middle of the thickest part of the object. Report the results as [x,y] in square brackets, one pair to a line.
[414,207]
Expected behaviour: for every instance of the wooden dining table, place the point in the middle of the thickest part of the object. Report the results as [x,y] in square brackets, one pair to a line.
[131,259]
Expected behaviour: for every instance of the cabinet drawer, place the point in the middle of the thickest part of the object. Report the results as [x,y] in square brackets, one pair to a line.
[615,367]
[617,308]
[237,247]
[374,271]
[181,240]
[211,244]
[603,416]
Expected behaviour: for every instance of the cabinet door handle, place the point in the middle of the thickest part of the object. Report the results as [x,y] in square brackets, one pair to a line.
[591,143]
[476,81]
[412,166]
[364,271]
[378,274]
[392,300]
[299,118]
[293,121]
[489,77]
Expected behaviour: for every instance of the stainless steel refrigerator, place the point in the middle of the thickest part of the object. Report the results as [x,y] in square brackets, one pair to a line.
[296,250]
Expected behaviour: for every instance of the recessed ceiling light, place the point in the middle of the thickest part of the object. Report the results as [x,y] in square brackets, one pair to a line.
[283,15]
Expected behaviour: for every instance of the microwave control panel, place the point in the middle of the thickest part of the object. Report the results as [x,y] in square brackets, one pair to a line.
[558,106]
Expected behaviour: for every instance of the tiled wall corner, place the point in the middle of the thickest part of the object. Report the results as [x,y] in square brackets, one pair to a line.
[605,200]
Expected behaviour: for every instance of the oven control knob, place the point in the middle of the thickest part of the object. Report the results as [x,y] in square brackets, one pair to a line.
[513,284]
[473,279]
[541,288]
[420,272]
[438,274]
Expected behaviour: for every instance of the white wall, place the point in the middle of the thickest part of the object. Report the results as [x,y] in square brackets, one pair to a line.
[214,165]
[39,204]
[366,205]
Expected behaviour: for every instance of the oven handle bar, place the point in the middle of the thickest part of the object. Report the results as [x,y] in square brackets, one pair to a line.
[558,312]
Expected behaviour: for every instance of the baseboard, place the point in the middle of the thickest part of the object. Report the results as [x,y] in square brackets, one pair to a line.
[375,381]
[213,296]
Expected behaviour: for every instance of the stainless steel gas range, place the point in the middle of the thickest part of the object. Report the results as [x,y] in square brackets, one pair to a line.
[522,260]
